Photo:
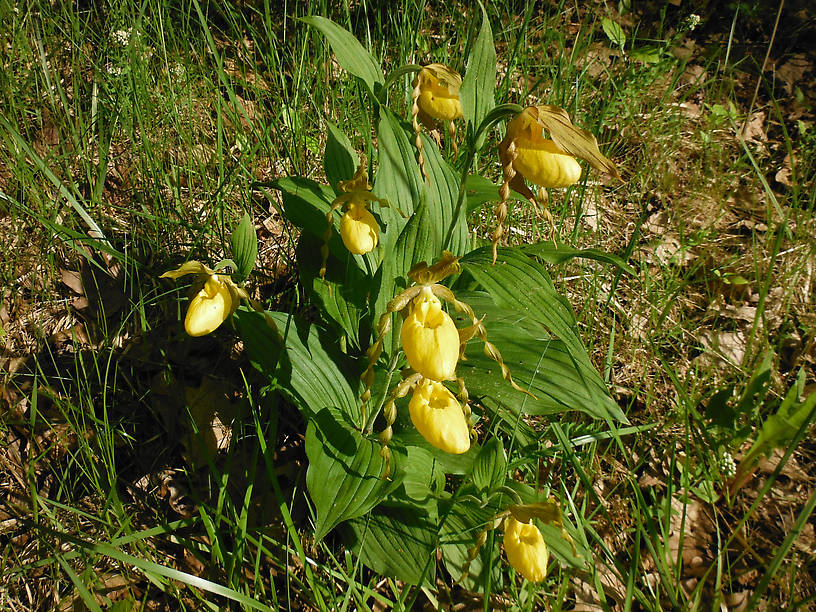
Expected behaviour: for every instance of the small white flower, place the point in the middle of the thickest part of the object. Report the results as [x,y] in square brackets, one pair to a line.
[121,37]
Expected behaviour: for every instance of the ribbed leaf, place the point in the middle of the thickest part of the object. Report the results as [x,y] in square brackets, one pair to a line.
[244,243]
[490,467]
[397,542]
[345,470]
[398,179]
[312,372]
[520,284]
[340,160]
[538,363]
[350,54]
[480,77]
[442,190]
[425,478]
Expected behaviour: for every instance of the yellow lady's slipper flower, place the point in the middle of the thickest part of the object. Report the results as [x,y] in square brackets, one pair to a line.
[549,163]
[213,303]
[525,549]
[211,306]
[539,159]
[358,228]
[435,96]
[432,344]
[437,92]
[430,339]
[439,418]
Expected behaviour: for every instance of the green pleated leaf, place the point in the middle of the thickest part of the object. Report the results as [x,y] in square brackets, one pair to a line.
[442,191]
[311,371]
[426,478]
[521,284]
[340,160]
[490,467]
[345,470]
[398,179]
[479,83]
[244,243]
[560,253]
[462,527]
[350,54]
[538,363]
[396,541]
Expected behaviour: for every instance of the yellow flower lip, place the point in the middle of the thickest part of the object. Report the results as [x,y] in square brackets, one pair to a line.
[439,92]
[438,416]
[214,302]
[539,159]
[430,339]
[211,306]
[359,229]
[525,549]
[546,165]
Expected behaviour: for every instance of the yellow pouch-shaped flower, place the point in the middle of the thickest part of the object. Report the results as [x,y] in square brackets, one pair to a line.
[359,229]
[439,92]
[525,549]
[438,416]
[539,159]
[430,338]
[216,301]
[547,165]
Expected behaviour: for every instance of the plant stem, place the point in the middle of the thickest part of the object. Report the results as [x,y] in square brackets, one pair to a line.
[461,198]
[369,425]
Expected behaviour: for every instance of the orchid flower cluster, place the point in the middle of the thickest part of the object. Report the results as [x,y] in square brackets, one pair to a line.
[433,346]
[540,146]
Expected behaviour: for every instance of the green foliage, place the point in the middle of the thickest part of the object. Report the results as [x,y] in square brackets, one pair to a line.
[345,470]
[351,55]
[614,32]
[479,83]
[244,245]
[782,427]
[397,499]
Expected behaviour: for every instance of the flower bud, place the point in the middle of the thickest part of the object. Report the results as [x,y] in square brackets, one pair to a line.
[438,416]
[430,338]
[211,306]
[439,92]
[359,229]
[539,159]
[525,549]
